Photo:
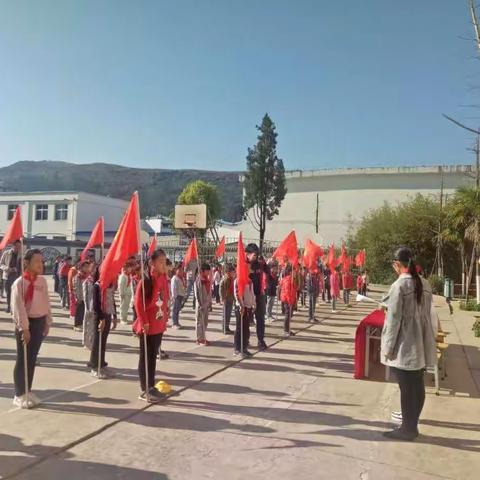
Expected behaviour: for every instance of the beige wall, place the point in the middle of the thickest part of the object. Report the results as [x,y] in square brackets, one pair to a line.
[346,195]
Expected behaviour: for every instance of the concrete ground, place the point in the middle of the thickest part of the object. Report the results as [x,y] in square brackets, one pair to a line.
[294,411]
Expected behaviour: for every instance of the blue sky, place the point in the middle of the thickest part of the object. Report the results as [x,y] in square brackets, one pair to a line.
[182,84]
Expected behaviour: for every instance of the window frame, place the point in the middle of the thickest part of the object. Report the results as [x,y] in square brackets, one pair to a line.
[63,210]
[11,207]
[43,210]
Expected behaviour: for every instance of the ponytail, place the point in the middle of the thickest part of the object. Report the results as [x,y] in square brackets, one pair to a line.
[404,255]
[412,270]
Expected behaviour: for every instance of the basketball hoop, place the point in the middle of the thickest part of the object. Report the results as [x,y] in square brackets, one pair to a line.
[190,216]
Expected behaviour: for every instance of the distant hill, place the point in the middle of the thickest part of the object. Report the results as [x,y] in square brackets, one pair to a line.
[158,188]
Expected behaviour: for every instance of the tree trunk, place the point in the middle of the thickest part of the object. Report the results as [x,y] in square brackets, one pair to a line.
[462,259]
[470,271]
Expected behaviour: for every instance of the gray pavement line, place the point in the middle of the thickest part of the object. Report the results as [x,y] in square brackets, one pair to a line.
[74,443]
[470,368]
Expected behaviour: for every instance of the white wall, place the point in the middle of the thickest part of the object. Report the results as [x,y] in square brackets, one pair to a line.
[348,194]
[83,211]
[90,207]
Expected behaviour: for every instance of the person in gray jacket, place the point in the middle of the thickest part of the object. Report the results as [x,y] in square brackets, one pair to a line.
[408,340]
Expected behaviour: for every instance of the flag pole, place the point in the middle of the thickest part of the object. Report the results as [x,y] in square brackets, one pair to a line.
[242,314]
[25,352]
[142,272]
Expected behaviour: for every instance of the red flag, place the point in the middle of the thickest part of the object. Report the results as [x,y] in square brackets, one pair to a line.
[360,258]
[220,251]
[125,244]
[346,264]
[343,255]
[153,246]
[311,254]
[331,260]
[96,238]
[14,231]
[243,277]
[288,249]
[191,254]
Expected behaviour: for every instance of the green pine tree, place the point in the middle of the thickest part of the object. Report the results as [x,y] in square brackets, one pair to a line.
[264,181]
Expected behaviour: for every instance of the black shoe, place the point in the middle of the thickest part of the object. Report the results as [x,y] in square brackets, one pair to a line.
[158,395]
[402,435]
[163,355]
[262,346]
[228,332]
[246,353]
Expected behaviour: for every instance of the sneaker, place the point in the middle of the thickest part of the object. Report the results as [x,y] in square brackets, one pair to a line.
[402,435]
[106,372]
[77,329]
[205,342]
[21,401]
[262,346]
[163,355]
[289,334]
[149,399]
[246,353]
[228,332]
[177,327]
[334,311]
[33,400]
[100,375]
[315,320]
[158,395]
[237,353]
[397,417]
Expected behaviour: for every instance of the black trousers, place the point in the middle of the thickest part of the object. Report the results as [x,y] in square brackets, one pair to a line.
[412,396]
[79,313]
[260,317]
[153,345]
[288,314]
[96,343]
[36,327]
[242,327]
[227,314]
[216,293]
[312,303]
[8,289]
[326,290]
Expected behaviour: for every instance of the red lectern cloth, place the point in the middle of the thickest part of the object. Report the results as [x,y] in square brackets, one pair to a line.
[374,319]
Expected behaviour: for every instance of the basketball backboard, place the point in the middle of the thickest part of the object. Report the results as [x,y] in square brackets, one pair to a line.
[191,216]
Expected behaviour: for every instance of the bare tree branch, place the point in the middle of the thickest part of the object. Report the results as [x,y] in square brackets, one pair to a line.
[476,132]
[473,13]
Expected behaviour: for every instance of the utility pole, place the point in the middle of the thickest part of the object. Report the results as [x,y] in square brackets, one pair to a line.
[439,253]
[316,217]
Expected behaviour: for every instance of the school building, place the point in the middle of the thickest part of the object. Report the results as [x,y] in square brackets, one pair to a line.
[61,215]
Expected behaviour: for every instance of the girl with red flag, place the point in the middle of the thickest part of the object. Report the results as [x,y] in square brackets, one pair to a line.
[32,317]
[151,306]
[288,297]
[334,288]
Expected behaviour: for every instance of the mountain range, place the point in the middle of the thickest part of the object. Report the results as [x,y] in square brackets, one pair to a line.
[158,188]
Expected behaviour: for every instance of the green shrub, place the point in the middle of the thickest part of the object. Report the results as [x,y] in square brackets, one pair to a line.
[476,328]
[437,284]
[470,306]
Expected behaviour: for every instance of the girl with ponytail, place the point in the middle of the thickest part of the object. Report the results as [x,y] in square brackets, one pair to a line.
[408,339]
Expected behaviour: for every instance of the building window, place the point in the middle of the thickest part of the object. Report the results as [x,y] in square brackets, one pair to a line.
[61,211]
[41,211]
[11,211]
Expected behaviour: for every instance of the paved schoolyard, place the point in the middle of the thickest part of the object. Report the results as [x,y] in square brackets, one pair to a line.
[294,411]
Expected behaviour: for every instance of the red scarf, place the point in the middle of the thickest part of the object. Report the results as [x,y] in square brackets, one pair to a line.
[31,287]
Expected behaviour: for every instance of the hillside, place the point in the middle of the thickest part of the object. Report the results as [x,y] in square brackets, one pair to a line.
[158,188]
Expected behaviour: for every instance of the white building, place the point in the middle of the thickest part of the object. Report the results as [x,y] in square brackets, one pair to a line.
[61,215]
[346,195]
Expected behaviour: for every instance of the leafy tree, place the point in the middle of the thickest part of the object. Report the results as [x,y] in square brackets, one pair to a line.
[464,228]
[264,181]
[413,223]
[202,192]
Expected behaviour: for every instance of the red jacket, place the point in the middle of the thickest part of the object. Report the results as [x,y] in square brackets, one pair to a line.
[64,269]
[359,282]
[288,290]
[347,281]
[150,312]
[334,284]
